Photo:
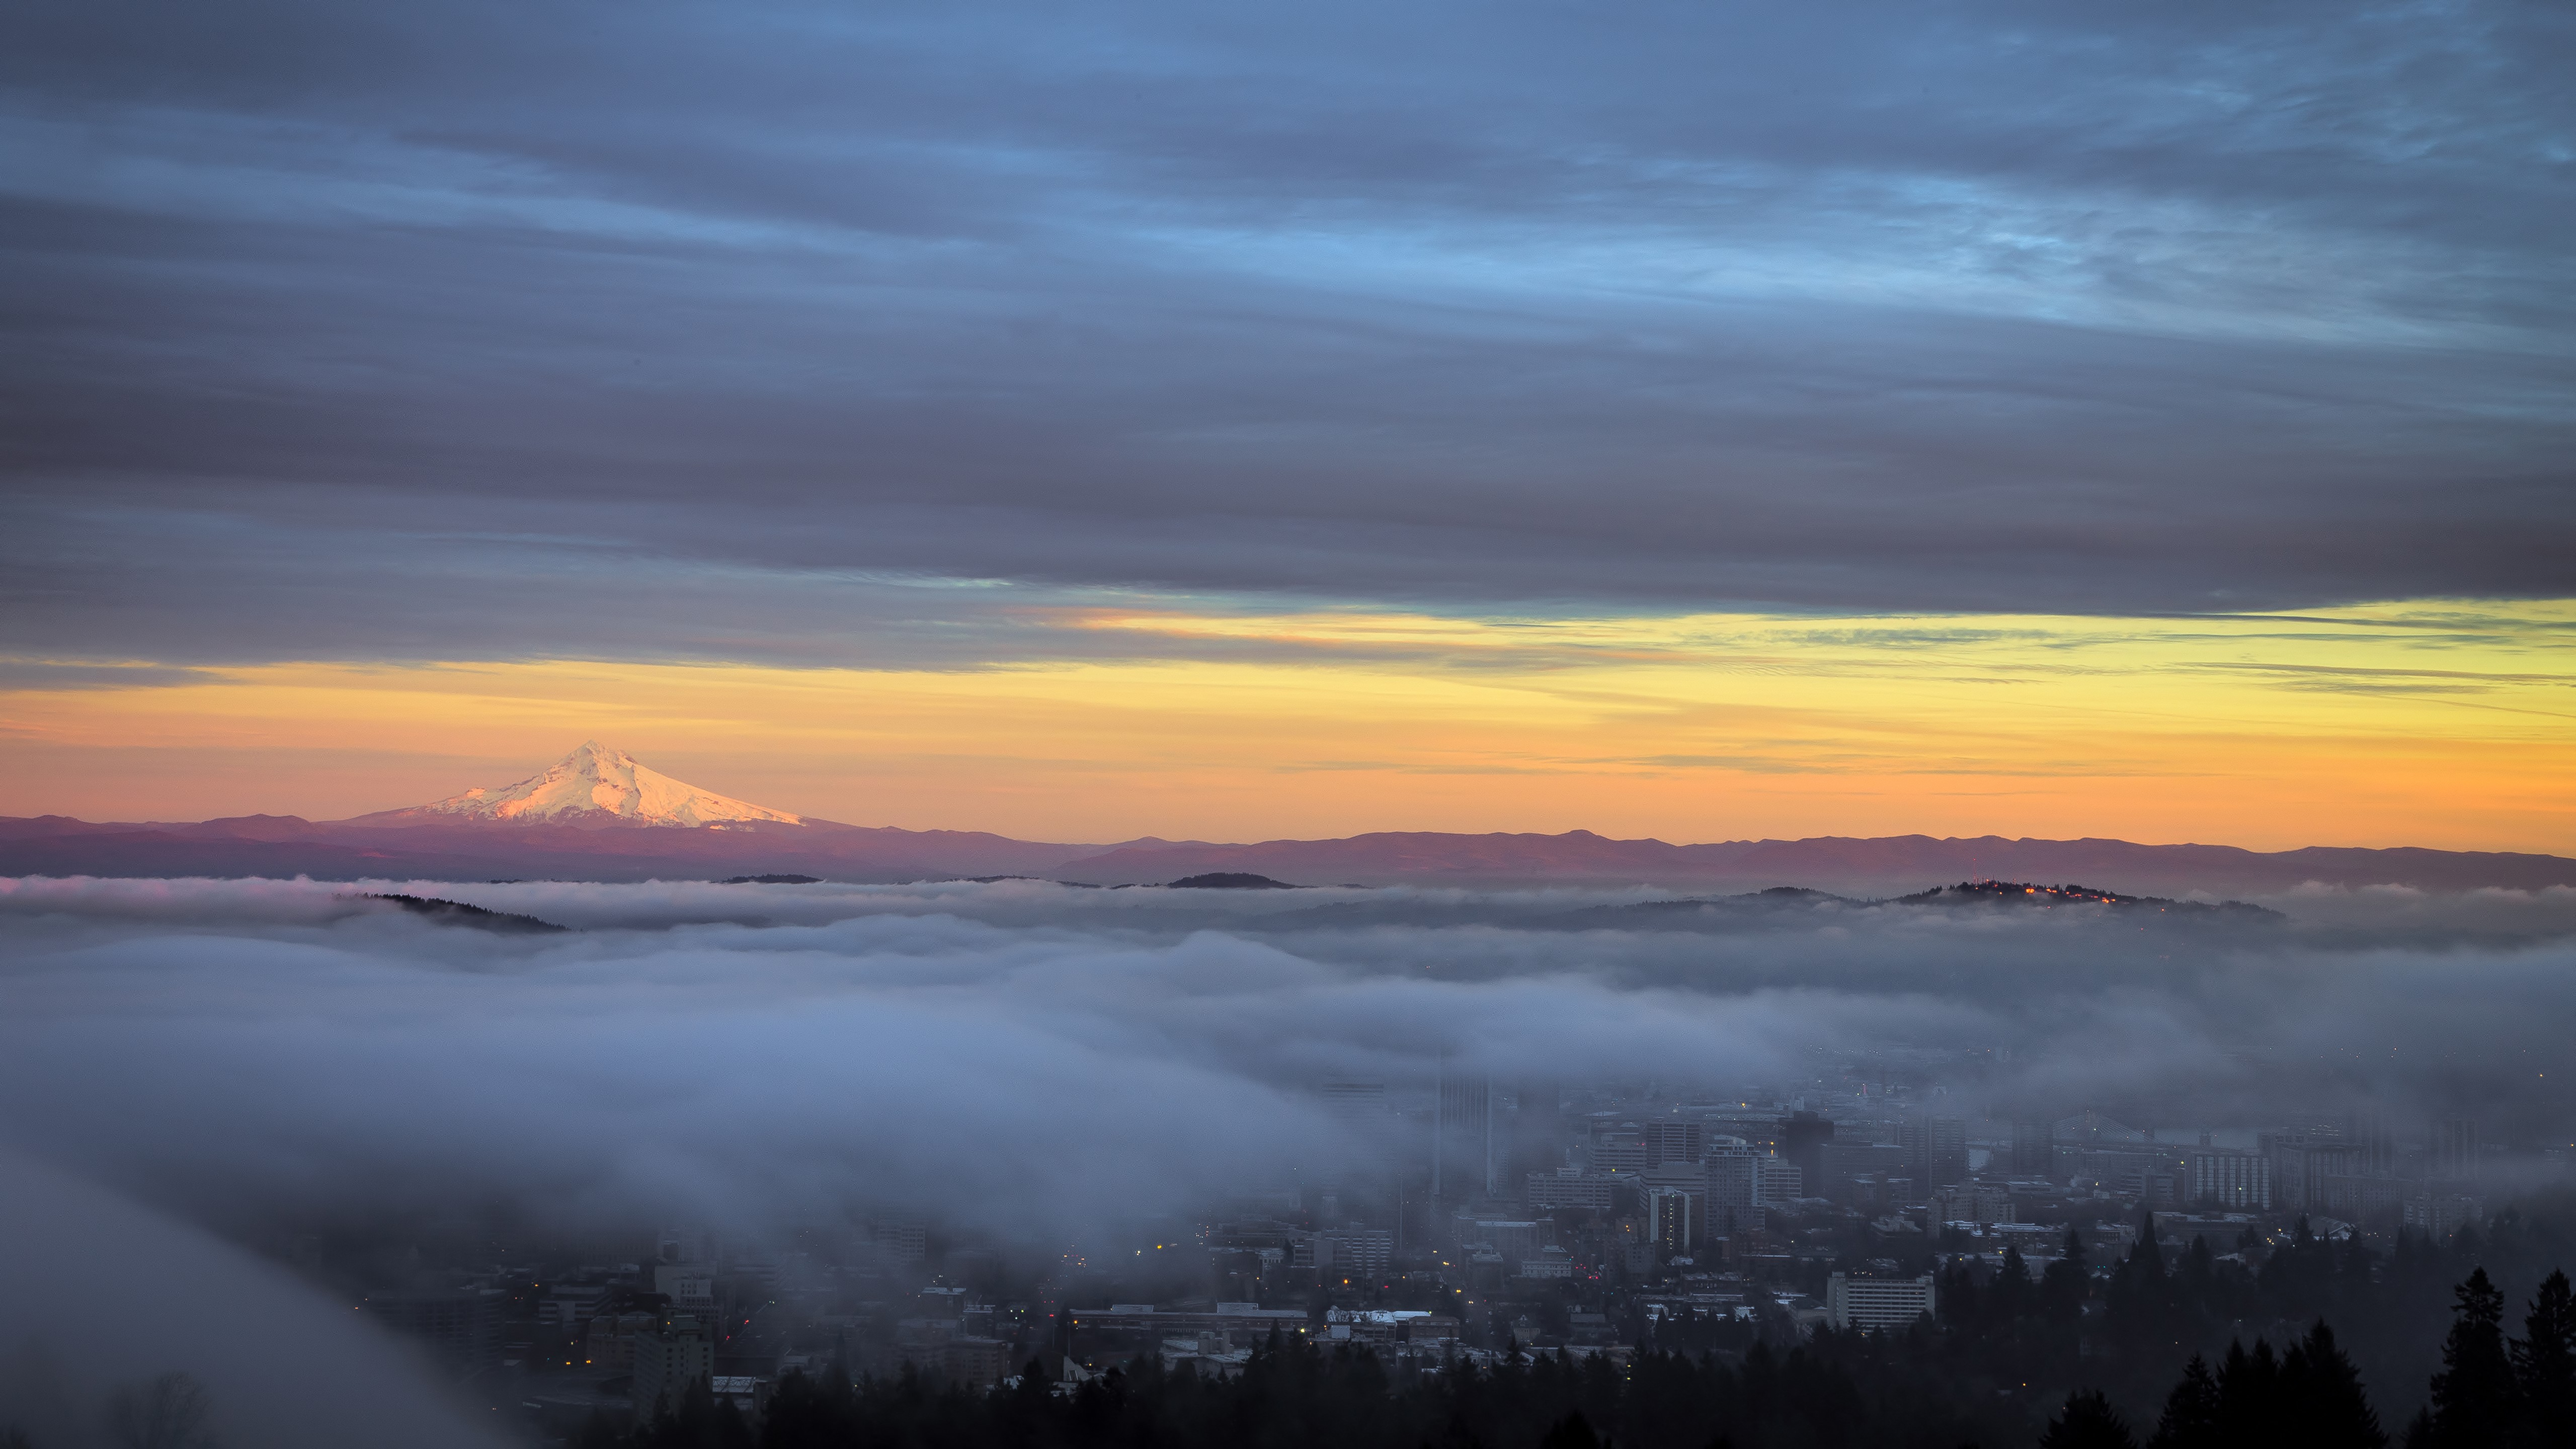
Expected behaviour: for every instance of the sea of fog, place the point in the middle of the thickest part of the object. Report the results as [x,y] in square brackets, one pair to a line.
[192,1063]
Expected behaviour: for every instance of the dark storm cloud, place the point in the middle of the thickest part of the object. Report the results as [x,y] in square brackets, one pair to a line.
[482,330]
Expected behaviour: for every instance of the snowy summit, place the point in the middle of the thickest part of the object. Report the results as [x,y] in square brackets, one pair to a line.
[598,785]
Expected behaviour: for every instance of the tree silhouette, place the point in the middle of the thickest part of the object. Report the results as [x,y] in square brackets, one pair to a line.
[2087,1422]
[2474,1398]
[2323,1399]
[2544,1364]
[1572,1432]
[2191,1417]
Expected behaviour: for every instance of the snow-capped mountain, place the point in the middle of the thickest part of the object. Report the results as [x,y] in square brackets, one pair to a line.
[595,785]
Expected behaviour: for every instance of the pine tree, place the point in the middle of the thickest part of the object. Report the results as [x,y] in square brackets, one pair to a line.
[2474,1397]
[2061,1288]
[2249,1395]
[2087,1422]
[2009,1298]
[2544,1363]
[2323,1397]
[2191,1411]
[1572,1432]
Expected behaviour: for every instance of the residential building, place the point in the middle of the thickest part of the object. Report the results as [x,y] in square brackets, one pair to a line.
[1876,1303]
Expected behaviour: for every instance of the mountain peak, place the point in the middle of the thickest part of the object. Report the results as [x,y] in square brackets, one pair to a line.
[599,785]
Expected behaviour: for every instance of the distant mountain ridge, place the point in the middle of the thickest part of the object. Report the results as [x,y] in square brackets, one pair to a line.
[600,815]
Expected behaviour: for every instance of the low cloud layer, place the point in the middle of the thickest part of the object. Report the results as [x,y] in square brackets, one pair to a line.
[105,1296]
[1030,1057]
[1035,1064]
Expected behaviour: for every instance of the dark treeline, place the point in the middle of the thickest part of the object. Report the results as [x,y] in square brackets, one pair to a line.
[2329,1344]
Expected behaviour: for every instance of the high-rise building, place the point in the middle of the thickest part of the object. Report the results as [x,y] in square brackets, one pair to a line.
[2227,1178]
[2034,1149]
[1733,1174]
[1353,1103]
[1936,1149]
[1777,1181]
[2455,1150]
[668,1362]
[1566,1187]
[1673,1217]
[1538,1129]
[1355,1251]
[1666,1140]
[1465,1155]
[899,1240]
[2374,1133]
[461,1327]
[2302,1158]
[1616,1150]
[1802,1141]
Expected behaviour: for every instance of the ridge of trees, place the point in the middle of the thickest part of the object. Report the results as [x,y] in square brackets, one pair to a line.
[1834,1390]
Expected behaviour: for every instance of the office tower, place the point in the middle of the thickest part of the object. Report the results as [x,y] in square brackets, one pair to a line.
[1670,1141]
[1734,1177]
[1538,1130]
[2225,1178]
[1802,1141]
[1354,1103]
[2455,1150]
[1776,1181]
[2285,1155]
[1936,1149]
[2034,1154]
[2374,1134]
[1465,1158]
[1616,1150]
[668,1362]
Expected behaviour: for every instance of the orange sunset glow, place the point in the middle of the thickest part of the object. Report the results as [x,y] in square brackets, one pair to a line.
[2446,724]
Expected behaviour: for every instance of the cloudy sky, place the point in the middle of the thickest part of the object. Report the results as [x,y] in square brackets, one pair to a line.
[1698,421]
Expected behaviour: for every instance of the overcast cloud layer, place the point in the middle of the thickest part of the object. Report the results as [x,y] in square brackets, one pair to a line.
[479,330]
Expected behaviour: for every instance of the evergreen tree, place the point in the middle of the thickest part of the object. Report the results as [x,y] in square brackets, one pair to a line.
[2087,1422]
[2061,1288]
[2544,1364]
[1572,1432]
[2191,1411]
[2010,1298]
[2322,1396]
[2474,1398]
[2249,1395]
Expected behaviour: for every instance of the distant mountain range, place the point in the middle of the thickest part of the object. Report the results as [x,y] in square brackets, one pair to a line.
[599,815]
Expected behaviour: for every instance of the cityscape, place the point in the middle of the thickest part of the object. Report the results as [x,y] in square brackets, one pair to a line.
[791,1162]
[1480,1224]
[799,725]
